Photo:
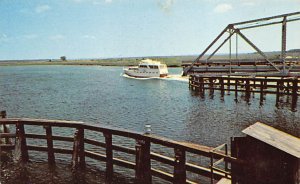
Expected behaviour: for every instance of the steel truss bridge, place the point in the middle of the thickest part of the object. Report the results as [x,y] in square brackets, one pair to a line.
[281,66]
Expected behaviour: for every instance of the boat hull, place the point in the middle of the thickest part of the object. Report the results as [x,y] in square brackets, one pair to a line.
[144,75]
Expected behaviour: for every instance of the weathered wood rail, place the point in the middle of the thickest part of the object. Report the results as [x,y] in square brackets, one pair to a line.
[141,151]
[248,85]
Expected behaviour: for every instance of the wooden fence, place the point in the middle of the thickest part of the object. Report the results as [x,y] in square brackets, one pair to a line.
[141,152]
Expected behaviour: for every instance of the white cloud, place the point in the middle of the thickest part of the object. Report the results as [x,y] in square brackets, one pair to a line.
[166,5]
[222,8]
[108,1]
[42,8]
[57,37]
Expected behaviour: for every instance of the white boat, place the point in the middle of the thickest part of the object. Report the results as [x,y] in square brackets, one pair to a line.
[147,69]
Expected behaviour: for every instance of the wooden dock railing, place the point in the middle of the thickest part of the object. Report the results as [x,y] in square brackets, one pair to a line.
[142,152]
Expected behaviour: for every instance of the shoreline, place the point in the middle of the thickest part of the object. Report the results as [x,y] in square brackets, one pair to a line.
[170,63]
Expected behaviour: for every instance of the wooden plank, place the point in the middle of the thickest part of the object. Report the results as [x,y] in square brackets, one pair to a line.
[29,121]
[162,159]
[45,149]
[124,163]
[161,174]
[95,156]
[114,147]
[114,131]
[203,171]
[276,138]
[190,147]
[7,147]
[7,135]
[57,138]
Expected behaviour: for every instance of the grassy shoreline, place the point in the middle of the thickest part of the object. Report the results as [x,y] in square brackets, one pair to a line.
[171,62]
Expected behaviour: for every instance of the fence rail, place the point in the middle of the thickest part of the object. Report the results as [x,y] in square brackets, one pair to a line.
[142,152]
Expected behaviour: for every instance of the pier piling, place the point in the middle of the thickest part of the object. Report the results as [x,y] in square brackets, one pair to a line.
[277,86]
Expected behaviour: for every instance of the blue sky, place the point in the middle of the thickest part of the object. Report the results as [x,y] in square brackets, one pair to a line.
[33,29]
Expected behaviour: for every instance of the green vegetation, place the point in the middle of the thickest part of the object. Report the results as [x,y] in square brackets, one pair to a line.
[171,61]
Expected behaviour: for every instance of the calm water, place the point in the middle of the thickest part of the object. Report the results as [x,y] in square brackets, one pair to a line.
[99,95]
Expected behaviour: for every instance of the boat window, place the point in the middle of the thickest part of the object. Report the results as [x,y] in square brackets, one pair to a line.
[151,66]
[155,67]
[143,66]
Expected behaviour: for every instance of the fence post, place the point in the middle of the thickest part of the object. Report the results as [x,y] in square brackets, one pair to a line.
[179,167]
[109,157]
[143,162]
[81,153]
[51,157]
[5,128]
[21,135]
[75,151]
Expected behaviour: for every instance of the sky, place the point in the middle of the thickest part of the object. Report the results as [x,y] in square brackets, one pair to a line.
[77,29]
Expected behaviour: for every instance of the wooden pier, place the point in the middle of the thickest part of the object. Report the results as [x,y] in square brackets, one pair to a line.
[288,86]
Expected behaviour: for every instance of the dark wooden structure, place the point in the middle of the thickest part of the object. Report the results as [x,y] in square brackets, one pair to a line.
[288,86]
[264,156]
[270,156]
[142,152]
